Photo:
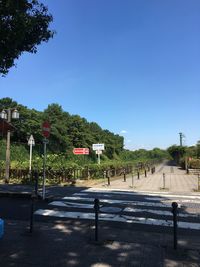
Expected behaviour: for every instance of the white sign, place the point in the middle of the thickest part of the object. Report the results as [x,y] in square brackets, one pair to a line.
[31,141]
[98,152]
[98,147]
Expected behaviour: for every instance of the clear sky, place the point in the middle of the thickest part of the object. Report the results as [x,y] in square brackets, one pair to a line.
[132,66]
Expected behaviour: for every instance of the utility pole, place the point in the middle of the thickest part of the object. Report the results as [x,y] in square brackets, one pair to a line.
[181,139]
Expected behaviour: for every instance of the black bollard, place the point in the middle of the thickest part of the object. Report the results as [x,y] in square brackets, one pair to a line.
[174,211]
[36,177]
[108,176]
[163,180]
[145,173]
[138,175]
[124,175]
[33,198]
[96,208]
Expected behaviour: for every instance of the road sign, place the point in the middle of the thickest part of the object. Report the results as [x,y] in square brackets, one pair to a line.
[31,141]
[98,152]
[98,147]
[81,151]
[46,129]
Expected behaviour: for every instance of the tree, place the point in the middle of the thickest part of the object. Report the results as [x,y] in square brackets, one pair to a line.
[24,24]
[176,152]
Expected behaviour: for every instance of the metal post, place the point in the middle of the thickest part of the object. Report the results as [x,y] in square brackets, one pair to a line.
[44,168]
[138,175]
[96,208]
[31,146]
[7,174]
[31,214]
[132,179]
[99,161]
[36,176]
[124,175]
[104,176]
[163,180]
[108,176]
[174,211]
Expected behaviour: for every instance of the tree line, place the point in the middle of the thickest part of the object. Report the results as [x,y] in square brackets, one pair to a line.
[67,132]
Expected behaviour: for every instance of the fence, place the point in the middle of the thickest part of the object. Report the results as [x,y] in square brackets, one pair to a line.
[70,175]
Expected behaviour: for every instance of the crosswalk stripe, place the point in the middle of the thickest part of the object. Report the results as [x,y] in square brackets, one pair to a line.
[128,209]
[123,202]
[160,212]
[142,193]
[72,205]
[161,199]
[116,218]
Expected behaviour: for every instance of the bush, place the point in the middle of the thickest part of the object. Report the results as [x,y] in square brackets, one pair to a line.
[194,164]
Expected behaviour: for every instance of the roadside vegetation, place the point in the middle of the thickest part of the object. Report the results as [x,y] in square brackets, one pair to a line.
[186,157]
[68,132]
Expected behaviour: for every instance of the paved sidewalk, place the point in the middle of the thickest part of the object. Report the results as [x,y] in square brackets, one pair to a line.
[71,244]
[176,181]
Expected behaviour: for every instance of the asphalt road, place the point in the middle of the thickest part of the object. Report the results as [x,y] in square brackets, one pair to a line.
[146,212]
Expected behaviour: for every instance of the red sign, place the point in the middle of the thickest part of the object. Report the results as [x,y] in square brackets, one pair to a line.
[46,129]
[81,151]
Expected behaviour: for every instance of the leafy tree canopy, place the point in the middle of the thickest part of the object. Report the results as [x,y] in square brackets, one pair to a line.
[24,24]
[67,131]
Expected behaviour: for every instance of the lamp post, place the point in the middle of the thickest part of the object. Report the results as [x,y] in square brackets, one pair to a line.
[8,114]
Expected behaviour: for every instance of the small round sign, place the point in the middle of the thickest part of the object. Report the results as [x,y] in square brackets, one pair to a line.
[46,129]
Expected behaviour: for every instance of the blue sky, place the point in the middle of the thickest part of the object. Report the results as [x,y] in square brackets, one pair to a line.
[132,66]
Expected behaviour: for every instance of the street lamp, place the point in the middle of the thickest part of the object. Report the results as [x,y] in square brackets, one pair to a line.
[8,114]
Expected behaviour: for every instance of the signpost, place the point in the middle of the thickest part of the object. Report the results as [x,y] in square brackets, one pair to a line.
[81,151]
[45,132]
[31,143]
[98,148]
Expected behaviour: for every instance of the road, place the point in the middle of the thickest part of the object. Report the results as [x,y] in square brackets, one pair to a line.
[150,210]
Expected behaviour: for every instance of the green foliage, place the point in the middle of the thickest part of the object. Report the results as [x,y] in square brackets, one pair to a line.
[67,131]
[194,164]
[23,25]
[143,155]
[177,152]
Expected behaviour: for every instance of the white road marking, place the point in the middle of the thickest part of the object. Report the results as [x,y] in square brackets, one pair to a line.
[123,202]
[71,205]
[146,193]
[161,212]
[173,199]
[116,218]
[128,209]
[80,194]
